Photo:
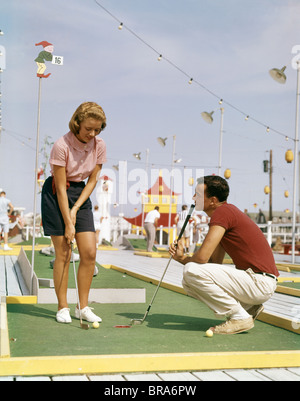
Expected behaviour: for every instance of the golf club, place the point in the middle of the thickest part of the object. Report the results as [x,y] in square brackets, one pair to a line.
[83,325]
[141,321]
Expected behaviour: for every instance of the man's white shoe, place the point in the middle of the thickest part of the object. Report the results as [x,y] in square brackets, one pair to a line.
[63,316]
[88,315]
[7,248]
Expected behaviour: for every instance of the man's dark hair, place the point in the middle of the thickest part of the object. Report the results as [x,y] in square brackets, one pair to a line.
[215,186]
[156,208]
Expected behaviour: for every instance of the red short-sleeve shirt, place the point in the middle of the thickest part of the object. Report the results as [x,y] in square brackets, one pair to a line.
[244,241]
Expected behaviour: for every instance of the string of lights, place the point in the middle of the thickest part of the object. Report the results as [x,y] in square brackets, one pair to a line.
[247,116]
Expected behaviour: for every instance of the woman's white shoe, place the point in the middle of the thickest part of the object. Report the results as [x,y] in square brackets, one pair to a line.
[88,315]
[63,316]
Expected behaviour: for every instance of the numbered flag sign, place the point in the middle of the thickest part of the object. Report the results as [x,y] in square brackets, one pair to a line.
[58,60]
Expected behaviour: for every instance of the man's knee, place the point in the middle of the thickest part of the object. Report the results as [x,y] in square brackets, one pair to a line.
[193,274]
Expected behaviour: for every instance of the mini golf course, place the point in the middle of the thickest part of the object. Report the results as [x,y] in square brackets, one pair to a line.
[175,327]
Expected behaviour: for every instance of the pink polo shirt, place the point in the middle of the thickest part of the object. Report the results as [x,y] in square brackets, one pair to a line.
[79,158]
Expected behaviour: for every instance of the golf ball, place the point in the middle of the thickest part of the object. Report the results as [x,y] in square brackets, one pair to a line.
[209,333]
[96,325]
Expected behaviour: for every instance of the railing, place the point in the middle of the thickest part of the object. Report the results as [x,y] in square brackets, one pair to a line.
[270,230]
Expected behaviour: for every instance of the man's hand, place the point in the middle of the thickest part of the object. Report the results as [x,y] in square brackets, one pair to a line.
[177,250]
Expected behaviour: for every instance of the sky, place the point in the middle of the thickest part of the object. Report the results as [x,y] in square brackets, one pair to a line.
[227,47]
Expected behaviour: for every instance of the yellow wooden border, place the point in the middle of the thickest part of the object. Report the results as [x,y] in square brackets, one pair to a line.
[23,299]
[289,279]
[279,321]
[288,291]
[102,364]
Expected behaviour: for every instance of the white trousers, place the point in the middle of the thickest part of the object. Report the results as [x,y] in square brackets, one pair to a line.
[225,289]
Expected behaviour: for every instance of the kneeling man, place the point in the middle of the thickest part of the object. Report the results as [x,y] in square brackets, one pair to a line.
[233,293]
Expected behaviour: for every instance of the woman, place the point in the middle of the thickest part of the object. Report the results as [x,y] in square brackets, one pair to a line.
[66,207]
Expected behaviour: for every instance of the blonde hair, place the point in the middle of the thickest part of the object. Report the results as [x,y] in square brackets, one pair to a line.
[84,111]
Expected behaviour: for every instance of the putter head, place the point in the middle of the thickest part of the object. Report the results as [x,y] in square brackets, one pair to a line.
[84,326]
[135,322]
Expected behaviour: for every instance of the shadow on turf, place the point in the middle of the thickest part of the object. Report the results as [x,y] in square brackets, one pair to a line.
[32,310]
[173,322]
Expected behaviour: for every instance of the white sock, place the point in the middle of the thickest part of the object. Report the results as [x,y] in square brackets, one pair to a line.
[241,314]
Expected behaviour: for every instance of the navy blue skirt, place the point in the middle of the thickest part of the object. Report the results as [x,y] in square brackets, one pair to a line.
[52,220]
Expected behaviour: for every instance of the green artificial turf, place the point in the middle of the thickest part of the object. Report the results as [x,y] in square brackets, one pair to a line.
[176,323]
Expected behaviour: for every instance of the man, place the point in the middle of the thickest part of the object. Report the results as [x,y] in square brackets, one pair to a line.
[234,293]
[150,225]
[179,220]
[4,220]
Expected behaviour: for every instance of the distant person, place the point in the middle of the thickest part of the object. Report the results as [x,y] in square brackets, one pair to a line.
[179,220]
[66,206]
[150,225]
[4,219]
[235,294]
[261,218]
[97,223]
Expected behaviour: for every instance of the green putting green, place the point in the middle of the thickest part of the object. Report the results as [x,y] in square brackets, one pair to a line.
[176,324]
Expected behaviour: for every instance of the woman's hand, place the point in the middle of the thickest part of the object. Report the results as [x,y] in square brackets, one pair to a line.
[69,233]
[73,214]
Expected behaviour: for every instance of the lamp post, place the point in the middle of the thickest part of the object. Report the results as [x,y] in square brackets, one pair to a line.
[162,142]
[280,77]
[143,192]
[207,117]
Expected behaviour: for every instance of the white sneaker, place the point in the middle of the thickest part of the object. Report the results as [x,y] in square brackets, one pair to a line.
[63,316]
[7,248]
[88,315]
[96,271]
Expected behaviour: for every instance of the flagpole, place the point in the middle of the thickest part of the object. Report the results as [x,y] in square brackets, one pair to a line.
[35,179]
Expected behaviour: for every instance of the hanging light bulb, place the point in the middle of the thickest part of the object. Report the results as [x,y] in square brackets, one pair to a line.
[160,57]
[191,81]
[121,26]
[268,129]
[247,118]
[191,181]
[220,101]
[289,156]
[227,173]
[137,156]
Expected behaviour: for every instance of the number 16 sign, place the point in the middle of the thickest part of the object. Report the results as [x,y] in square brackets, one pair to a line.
[46,55]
